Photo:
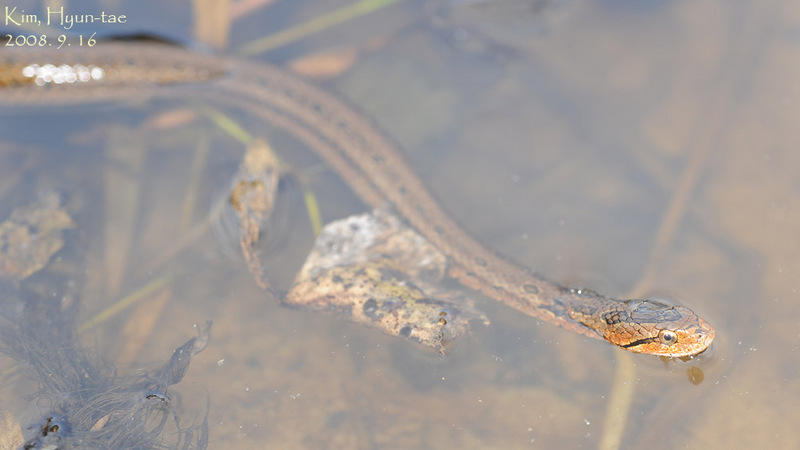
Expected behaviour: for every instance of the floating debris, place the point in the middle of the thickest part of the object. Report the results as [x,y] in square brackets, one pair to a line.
[90,406]
[253,198]
[94,408]
[31,235]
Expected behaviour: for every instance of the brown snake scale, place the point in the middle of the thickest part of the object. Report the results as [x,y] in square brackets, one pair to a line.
[368,162]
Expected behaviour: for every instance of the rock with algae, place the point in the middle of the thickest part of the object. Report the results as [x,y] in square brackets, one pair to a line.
[375,270]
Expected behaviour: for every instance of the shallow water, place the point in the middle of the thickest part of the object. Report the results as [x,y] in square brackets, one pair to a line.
[628,147]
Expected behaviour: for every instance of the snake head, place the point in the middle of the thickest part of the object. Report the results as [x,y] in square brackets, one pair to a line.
[656,328]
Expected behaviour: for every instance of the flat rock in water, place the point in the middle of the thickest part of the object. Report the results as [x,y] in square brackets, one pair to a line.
[374,270]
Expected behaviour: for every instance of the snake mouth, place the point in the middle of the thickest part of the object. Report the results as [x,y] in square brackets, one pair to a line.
[632,345]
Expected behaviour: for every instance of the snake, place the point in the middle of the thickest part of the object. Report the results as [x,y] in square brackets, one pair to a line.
[365,159]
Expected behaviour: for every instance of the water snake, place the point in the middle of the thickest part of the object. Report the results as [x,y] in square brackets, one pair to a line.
[362,156]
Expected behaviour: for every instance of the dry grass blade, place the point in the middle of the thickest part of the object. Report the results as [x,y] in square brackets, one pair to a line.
[242,7]
[125,303]
[623,390]
[314,26]
[212,22]
[140,325]
[126,155]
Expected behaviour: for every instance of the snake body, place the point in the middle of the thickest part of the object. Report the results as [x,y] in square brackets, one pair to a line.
[364,158]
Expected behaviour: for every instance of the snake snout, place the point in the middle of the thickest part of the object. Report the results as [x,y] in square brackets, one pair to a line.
[694,337]
[703,334]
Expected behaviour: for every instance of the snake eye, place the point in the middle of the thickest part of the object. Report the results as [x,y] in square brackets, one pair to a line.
[667,337]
